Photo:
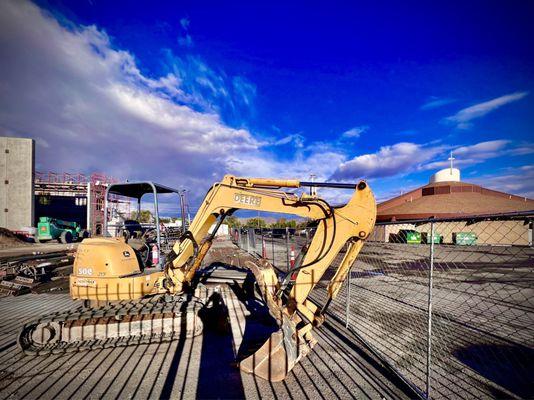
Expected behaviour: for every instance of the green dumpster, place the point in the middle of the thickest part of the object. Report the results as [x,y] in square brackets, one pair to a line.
[409,236]
[437,238]
[464,238]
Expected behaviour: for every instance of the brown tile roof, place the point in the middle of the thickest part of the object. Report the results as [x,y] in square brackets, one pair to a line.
[446,199]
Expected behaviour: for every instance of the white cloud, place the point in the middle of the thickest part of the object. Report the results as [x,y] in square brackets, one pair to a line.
[296,139]
[90,108]
[184,22]
[245,90]
[435,102]
[482,150]
[186,41]
[90,104]
[397,159]
[518,181]
[522,149]
[355,132]
[405,158]
[462,119]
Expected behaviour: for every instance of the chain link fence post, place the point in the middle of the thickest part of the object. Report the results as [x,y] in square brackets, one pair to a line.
[287,249]
[272,243]
[263,255]
[429,314]
[253,240]
[530,226]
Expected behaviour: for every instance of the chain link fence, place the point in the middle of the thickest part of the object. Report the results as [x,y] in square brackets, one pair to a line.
[448,304]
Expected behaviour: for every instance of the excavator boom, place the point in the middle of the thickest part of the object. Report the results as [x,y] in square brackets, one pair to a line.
[288,301]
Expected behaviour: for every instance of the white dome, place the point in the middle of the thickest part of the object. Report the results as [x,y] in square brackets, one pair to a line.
[446,175]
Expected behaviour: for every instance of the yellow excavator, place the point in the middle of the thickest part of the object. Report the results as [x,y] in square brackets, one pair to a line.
[135,305]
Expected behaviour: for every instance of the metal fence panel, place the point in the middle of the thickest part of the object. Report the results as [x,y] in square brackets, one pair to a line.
[452,312]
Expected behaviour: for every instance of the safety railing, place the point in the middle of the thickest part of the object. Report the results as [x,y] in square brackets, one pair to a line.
[448,304]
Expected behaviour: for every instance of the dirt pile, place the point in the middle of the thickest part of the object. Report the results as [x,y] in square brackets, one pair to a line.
[8,239]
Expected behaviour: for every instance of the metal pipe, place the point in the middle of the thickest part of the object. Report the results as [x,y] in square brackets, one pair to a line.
[429,315]
[105,233]
[336,185]
[182,208]
[156,211]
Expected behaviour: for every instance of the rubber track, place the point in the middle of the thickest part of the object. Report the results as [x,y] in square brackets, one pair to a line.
[159,305]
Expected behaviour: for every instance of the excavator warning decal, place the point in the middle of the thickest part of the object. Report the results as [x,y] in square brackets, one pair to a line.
[246,199]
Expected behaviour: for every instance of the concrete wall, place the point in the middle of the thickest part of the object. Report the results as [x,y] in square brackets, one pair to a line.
[17,165]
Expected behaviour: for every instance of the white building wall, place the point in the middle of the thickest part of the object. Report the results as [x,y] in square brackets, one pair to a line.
[17,171]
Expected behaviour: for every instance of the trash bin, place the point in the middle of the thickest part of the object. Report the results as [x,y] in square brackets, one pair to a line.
[438,239]
[409,236]
[464,238]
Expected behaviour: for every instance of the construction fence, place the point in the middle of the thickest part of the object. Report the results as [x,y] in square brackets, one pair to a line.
[447,304]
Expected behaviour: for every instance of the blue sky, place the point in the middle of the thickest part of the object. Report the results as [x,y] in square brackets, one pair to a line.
[183,92]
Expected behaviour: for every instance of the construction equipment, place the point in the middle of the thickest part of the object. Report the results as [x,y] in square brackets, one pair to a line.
[160,305]
[56,229]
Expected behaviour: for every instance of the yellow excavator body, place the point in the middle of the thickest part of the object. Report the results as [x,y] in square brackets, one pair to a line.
[107,269]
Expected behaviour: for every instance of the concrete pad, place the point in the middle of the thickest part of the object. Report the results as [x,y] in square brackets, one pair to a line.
[199,367]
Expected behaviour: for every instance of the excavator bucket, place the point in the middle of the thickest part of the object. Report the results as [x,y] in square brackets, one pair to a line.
[285,347]
[278,355]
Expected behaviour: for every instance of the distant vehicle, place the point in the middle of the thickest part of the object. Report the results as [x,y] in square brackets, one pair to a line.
[56,229]
[281,232]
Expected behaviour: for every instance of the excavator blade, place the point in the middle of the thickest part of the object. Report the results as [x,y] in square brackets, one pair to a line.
[278,355]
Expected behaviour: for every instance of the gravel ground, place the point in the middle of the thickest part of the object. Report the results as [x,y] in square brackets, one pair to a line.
[483,305]
[202,367]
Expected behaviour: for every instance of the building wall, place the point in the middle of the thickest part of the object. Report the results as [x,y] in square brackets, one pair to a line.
[17,167]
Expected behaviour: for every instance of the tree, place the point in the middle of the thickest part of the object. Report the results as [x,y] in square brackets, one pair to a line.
[305,224]
[144,217]
[284,223]
[255,223]
[232,222]
[279,223]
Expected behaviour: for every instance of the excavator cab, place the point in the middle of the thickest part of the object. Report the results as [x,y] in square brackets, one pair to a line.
[142,237]
[127,262]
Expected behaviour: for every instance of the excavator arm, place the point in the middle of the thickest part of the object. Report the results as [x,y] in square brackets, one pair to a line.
[288,301]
